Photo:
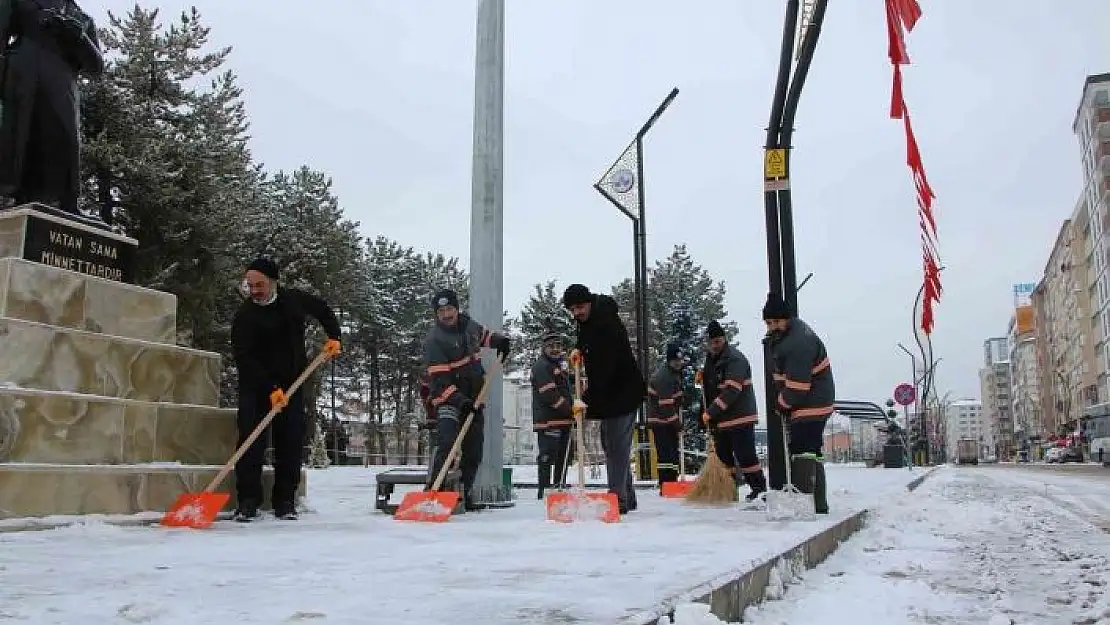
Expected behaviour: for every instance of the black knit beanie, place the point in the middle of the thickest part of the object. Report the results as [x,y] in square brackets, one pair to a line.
[445,297]
[576,294]
[775,308]
[714,330]
[265,266]
[674,352]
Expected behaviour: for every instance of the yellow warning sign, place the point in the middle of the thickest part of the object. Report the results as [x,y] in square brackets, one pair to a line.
[774,164]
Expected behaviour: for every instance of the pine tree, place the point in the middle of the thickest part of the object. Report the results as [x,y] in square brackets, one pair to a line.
[542,313]
[677,280]
[318,451]
[174,151]
[684,334]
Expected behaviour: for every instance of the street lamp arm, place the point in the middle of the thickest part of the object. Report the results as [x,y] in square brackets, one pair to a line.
[782,83]
[658,111]
[804,280]
[805,59]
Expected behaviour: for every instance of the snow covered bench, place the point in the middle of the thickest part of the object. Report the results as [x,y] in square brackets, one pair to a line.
[388,480]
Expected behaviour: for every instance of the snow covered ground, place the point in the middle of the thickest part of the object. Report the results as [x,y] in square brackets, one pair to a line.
[344,562]
[991,545]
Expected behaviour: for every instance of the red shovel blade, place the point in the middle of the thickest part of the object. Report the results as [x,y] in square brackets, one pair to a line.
[578,505]
[676,490]
[434,506]
[195,510]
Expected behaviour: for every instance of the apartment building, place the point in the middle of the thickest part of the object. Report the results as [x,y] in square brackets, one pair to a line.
[1092,128]
[519,442]
[1067,328]
[1025,385]
[994,386]
[964,419]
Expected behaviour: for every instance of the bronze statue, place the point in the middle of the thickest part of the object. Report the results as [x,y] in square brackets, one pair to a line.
[44,46]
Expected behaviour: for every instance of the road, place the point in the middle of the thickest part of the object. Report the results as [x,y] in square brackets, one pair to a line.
[987,545]
[1094,470]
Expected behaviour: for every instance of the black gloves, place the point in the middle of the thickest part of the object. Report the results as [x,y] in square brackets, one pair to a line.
[501,344]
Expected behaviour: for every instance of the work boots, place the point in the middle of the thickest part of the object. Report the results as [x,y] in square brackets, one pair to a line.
[247,511]
[757,482]
[803,472]
[544,478]
[820,499]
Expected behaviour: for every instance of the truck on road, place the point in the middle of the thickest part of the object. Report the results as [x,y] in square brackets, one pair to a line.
[967,451]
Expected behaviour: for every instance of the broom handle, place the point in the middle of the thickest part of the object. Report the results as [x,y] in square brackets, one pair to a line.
[785,447]
[462,431]
[566,462]
[320,358]
[578,425]
[681,449]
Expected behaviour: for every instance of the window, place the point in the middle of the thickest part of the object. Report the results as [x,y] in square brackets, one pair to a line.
[1101,98]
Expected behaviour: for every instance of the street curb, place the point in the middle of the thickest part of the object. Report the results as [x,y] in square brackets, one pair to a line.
[914,483]
[728,595]
[34,524]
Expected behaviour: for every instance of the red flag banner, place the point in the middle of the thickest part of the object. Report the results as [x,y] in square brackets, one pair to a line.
[901,17]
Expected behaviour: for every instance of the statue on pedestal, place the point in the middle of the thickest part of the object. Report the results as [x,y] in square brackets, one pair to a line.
[44,46]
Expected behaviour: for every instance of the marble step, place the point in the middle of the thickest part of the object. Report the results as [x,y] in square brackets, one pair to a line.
[43,490]
[35,292]
[69,428]
[39,356]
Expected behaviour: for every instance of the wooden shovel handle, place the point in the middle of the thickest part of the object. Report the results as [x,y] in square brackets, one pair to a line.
[321,358]
[578,421]
[481,399]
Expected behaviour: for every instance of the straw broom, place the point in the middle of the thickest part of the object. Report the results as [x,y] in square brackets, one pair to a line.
[714,485]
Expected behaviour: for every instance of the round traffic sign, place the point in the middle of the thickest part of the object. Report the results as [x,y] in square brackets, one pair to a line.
[904,394]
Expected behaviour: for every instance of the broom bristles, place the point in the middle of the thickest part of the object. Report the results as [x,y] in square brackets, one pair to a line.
[714,484]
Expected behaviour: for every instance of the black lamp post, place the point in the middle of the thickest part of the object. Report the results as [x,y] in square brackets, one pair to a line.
[782,273]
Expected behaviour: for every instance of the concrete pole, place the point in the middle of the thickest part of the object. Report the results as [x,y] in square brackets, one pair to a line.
[487,229]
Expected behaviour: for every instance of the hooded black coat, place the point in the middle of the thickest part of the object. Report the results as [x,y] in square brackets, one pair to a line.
[615,385]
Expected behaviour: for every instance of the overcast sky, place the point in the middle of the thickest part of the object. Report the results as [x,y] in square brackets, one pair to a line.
[379,94]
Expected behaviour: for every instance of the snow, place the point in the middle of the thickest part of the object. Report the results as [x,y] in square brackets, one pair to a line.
[344,562]
[996,545]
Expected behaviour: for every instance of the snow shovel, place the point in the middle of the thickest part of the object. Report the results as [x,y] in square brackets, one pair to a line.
[434,505]
[577,504]
[199,510]
[789,504]
[680,488]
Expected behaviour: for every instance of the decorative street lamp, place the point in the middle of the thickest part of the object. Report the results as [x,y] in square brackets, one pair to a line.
[623,185]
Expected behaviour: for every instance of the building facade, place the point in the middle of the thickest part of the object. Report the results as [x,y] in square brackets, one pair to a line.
[1024,382]
[1092,129]
[519,442]
[1069,334]
[994,386]
[1024,378]
[964,419]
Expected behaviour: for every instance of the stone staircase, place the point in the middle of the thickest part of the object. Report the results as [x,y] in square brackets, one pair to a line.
[100,412]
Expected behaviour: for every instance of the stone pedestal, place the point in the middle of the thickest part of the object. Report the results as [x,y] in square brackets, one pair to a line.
[100,412]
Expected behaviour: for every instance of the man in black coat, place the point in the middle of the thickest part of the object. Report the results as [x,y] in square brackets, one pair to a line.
[615,386]
[267,339]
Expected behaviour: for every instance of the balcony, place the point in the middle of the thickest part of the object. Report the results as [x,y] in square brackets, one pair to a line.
[1100,122]
[1102,156]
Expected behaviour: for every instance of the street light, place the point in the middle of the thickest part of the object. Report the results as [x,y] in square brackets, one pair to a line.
[623,185]
[778,209]
[926,348]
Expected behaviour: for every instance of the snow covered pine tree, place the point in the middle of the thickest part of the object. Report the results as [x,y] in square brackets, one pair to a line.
[684,334]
